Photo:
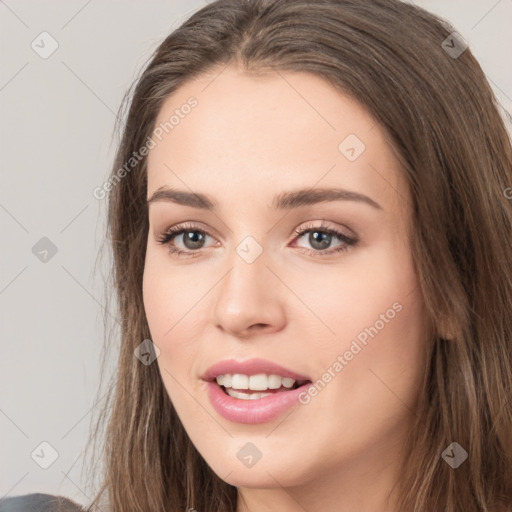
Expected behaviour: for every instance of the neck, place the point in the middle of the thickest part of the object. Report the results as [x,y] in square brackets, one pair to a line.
[362,485]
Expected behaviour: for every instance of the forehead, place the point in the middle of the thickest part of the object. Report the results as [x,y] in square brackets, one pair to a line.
[251,136]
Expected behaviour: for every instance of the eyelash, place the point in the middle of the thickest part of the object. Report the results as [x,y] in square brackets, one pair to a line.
[175,231]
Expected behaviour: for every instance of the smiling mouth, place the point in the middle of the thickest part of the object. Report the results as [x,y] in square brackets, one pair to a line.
[255,387]
[256,398]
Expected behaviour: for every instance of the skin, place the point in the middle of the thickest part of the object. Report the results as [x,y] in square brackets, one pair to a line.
[249,138]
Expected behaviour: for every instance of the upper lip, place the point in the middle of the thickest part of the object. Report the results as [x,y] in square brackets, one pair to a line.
[250,367]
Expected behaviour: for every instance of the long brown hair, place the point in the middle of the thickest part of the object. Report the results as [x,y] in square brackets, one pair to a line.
[445,127]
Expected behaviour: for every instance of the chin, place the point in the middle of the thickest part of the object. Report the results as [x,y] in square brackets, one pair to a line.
[251,478]
[264,474]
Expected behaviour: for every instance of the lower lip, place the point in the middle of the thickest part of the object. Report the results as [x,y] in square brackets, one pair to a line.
[260,410]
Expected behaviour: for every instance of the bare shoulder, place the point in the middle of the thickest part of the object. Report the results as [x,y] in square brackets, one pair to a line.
[38,502]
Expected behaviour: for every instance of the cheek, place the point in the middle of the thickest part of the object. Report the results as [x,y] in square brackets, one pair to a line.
[372,394]
[174,303]
[168,295]
[158,304]
[367,297]
[163,310]
[382,365]
[377,353]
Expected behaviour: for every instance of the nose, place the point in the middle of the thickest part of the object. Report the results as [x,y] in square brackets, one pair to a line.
[250,299]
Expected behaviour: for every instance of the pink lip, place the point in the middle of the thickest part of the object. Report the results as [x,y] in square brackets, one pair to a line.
[250,367]
[251,411]
[260,410]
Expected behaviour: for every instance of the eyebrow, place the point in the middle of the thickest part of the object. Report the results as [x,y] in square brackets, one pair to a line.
[283,201]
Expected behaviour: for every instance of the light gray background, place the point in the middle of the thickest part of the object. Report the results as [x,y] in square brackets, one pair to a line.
[57,118]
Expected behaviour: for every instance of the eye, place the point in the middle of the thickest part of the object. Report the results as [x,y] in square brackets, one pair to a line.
[320,237]
[191,240]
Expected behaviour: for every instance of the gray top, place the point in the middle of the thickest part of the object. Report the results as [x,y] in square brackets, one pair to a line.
[38,502]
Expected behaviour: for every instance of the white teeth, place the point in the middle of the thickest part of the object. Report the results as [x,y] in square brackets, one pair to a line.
[226,380]
[246,396]
[240,381]
[274,381]
[288,383]
[259,382]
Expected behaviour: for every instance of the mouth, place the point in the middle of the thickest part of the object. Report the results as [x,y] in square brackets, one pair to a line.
[253,387]
[253,391]
[238,404]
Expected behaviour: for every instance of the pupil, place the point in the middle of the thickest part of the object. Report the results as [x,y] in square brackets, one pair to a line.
[192,237]
[324,242]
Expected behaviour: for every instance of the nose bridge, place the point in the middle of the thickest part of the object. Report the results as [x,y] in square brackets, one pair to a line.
[246,296]
[247,276]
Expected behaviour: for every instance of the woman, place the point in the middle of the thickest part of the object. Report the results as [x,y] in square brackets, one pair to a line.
[311,236]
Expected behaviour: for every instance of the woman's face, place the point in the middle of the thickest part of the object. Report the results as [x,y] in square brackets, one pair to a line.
[346,316]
